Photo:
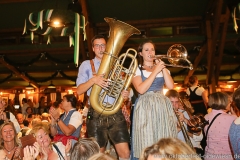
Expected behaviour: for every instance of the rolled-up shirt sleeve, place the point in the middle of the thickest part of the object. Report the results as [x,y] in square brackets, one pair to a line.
[76,119]
[83,73]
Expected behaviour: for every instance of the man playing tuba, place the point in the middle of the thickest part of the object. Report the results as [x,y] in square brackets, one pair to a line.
[101,126]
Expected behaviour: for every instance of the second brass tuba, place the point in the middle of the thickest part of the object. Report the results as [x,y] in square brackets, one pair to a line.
[112,66]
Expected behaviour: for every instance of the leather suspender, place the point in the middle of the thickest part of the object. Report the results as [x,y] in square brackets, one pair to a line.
[93,68]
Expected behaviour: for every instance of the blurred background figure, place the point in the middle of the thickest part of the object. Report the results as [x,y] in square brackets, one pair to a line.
[24,107]
[42,105]
[20,119]
[84,149]
[219,124]
[30,103]
[29,111]
[198,96]
[10,106]
[45,117]
[169,149]
[7,116]
[101,156]
[234,131]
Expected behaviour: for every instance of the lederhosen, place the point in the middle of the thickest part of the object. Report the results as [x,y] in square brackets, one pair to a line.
[102,127]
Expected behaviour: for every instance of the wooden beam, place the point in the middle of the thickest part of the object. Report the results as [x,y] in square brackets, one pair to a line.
[222,45]
[196,62]
[17,1]
[18,73]
[182,20]
[212,40]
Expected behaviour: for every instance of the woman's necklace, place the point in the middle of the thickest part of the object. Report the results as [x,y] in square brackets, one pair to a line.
[9,151]
[149,66]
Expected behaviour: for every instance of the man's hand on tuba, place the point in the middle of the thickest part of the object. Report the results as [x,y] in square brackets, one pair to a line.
[100,80]
[125,94]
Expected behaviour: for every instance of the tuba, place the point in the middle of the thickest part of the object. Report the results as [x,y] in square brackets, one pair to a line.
[113,68]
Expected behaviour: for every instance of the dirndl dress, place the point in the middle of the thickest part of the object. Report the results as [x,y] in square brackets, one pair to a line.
[153,118]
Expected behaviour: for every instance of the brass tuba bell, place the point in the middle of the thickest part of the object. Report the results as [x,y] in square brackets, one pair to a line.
[112,66]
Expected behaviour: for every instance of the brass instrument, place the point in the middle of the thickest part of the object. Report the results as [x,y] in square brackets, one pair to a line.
[184,131]
[112,66]
[196,122]
[176,55]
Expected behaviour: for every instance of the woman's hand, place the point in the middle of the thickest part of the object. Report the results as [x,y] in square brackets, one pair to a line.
[36,149]
[3,115]
[68,146]
[31,152]
[54,113]
[160,65]
[17,153]
[44,152]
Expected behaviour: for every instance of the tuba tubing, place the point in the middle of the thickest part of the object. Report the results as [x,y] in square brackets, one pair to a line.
[118,35]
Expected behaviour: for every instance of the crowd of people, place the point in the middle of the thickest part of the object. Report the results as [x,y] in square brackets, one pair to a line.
[171,126]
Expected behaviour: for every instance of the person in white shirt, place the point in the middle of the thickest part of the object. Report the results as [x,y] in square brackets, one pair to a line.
[68,125]
[24,107]
[7,116]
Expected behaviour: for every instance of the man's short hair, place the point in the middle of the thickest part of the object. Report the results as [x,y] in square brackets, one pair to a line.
[98,36]
[172,93]
[71,98]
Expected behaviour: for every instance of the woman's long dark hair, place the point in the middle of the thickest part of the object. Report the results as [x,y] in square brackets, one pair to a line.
[140,48]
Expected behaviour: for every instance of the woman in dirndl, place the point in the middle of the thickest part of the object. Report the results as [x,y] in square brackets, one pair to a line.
[153,116]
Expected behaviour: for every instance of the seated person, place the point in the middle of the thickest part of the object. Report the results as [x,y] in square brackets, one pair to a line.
[24,129]
[169,149]
[84,149]
[7,116]
[101,156]
[55,151]
[195,138]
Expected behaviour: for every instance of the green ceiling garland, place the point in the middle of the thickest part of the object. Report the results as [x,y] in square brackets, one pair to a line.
[37,58]
[37,24]
[51,77]
[41,80]
[68,77]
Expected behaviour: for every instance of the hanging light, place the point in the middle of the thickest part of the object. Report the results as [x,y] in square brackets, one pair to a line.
[51,85]
[231,80]
[57,21]
[29,86]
